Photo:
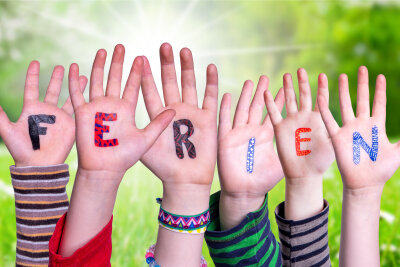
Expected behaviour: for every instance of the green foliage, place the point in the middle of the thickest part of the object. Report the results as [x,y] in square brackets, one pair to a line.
[369,36]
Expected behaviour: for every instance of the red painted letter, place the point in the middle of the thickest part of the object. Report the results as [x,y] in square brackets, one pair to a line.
[300,152]
[99,129]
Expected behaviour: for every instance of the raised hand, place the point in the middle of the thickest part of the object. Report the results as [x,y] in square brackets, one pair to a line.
[366,160]
[364,154]
[44,133]
[182,169]
[304,147]
[108,143]
[184,156]
[123,144]
[248,165]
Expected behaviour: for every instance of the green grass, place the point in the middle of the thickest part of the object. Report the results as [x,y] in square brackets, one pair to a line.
[135,221]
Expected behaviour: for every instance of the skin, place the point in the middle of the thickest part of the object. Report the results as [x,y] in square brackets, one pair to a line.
[186,182]
[57,143]
[243,192]
[101,169]
[303,173]
[362,183]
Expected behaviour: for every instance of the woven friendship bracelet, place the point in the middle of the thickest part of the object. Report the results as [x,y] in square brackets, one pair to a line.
[151,261]
[195,224]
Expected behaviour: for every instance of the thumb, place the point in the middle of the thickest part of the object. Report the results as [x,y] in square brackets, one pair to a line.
[5,124]
[157,126]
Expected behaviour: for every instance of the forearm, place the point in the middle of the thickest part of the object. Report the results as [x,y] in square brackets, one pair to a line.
[40,200]
[91,207]
[359,245]
[233,209]
[178,249]
[303,197]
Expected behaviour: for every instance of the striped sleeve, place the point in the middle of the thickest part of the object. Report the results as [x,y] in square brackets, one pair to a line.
[304,242]
[251,243]
[40,200]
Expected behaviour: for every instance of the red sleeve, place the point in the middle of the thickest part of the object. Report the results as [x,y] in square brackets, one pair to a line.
[97,252]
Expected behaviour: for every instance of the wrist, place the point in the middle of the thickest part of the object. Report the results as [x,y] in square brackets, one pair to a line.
[101,181]
[303,197]
[185,199]
[234,208]
[39,163]
[363,196]
[241,202]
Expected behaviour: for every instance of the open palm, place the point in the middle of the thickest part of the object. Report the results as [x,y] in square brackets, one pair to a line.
[307,158]
[239,175]
[363,169]
[54,146]
[123,144]
[196,165]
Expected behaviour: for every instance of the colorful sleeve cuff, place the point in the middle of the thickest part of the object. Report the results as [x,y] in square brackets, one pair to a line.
[251,243]
[40,200]
[97,252]
[304,242]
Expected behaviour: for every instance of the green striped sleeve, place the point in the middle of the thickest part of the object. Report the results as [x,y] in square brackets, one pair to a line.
[251,243]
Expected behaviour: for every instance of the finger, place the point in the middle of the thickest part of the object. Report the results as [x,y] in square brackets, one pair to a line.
[225,116]
[363,93]
[115,74]
[31,92]
[151,97]
[97,76]
[257,104]
[290,95]
[379,107]
[273,111]
[243,105]
[279,102]
[67,107]
[168,75]
[346,109]
[322,89]
[304,90]
[210,101]
[131,91]
[5,124]
[73,84]
[189,94]
[53,91]
[157,126]
[329,121]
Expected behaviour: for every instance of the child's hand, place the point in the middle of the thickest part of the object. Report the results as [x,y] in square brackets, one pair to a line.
[247,162]
[361,169]
[108,143]
[117,148]
[366,160]
[184,156]
[27,140]
[304,147]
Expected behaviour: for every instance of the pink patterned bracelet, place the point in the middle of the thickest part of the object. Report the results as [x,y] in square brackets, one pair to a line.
[151,261]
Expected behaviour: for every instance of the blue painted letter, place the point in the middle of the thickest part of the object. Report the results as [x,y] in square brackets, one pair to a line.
[359,141]
[250,155]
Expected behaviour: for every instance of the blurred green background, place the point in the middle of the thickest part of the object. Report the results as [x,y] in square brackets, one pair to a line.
[245,39]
